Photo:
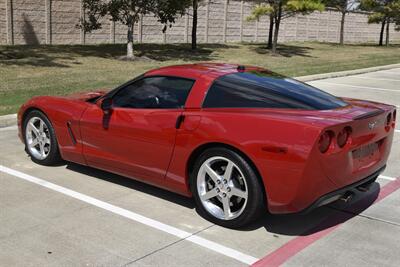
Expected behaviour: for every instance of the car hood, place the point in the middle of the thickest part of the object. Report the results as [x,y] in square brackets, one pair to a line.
[85,96]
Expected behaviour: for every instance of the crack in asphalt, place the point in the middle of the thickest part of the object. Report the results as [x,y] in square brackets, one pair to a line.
[366,216]
[167,246]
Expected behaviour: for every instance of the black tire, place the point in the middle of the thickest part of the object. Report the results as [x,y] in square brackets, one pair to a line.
[255,205]
[53,156]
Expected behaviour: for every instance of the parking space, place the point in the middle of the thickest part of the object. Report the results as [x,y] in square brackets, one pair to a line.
[381,86]
[75,215]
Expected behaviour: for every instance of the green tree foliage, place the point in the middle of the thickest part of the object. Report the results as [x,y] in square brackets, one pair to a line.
[384,12]
[260,10]
[128,12]
[344,7]
[278,10]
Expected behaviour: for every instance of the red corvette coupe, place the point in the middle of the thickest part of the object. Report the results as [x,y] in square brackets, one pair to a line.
[239,139]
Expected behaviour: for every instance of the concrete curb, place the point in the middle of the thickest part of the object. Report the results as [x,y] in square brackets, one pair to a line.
[10,120]
[321,76]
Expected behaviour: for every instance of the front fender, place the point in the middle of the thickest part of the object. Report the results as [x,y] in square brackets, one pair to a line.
[62,113]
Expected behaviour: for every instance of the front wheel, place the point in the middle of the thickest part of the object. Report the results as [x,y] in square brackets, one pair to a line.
[226,188]
[40,139]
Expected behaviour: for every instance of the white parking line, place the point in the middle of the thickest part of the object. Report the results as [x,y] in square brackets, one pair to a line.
[136,217]
[361,87]
[387,177]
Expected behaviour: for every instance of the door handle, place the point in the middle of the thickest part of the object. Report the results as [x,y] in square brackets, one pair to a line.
[179,121]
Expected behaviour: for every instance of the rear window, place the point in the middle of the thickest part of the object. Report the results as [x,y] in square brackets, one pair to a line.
[267,90]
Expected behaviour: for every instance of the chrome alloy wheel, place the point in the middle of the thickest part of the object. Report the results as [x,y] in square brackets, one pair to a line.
[222,188]
[38,138]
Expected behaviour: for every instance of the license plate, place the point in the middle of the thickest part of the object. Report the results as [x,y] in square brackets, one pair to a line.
[365,151]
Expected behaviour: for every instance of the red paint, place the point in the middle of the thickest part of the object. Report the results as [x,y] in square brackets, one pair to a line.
[294,246]
[138,142]
[282,143]
[388,189]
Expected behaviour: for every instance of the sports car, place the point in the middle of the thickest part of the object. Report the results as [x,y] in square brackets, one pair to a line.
[240,140]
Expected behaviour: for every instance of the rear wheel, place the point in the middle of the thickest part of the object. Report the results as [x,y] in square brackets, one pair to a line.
[226,189]
[40,139]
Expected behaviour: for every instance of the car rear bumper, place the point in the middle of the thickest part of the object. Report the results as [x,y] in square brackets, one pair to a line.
[339,193]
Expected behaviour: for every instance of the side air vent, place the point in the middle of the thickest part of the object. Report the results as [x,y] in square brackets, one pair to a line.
[71,134]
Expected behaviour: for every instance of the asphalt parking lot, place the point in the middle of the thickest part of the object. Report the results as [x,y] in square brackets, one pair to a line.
[79,216]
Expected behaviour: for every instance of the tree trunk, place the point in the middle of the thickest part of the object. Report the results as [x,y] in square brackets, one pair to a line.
[387,32]
[341,41]
[278,17]
[129,52]
[271,31]
[382,30]
[194,25]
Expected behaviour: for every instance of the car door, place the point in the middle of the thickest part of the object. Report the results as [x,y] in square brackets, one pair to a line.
[138,136]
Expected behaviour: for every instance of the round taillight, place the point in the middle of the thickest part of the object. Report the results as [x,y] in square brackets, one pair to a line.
[343,137]
[325,141]
[388,119]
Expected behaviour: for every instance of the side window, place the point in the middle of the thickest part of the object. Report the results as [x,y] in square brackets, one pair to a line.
[154,92]
[267,90]
[238,94]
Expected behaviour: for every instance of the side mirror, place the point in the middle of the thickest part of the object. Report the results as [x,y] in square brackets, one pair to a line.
[106,105]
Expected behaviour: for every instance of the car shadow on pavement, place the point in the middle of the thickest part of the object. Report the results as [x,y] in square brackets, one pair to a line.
[319,219]
[133,184]
[289,224]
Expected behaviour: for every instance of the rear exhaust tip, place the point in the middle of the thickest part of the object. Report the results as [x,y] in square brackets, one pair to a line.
[347,196]
[363,188]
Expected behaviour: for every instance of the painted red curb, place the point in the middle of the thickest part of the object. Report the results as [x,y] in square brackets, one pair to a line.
[294,246]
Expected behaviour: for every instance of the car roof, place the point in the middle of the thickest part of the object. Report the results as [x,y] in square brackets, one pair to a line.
[197,70]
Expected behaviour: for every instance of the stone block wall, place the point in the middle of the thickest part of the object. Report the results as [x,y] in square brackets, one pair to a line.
[3,23]
[54,22]
[64,17]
